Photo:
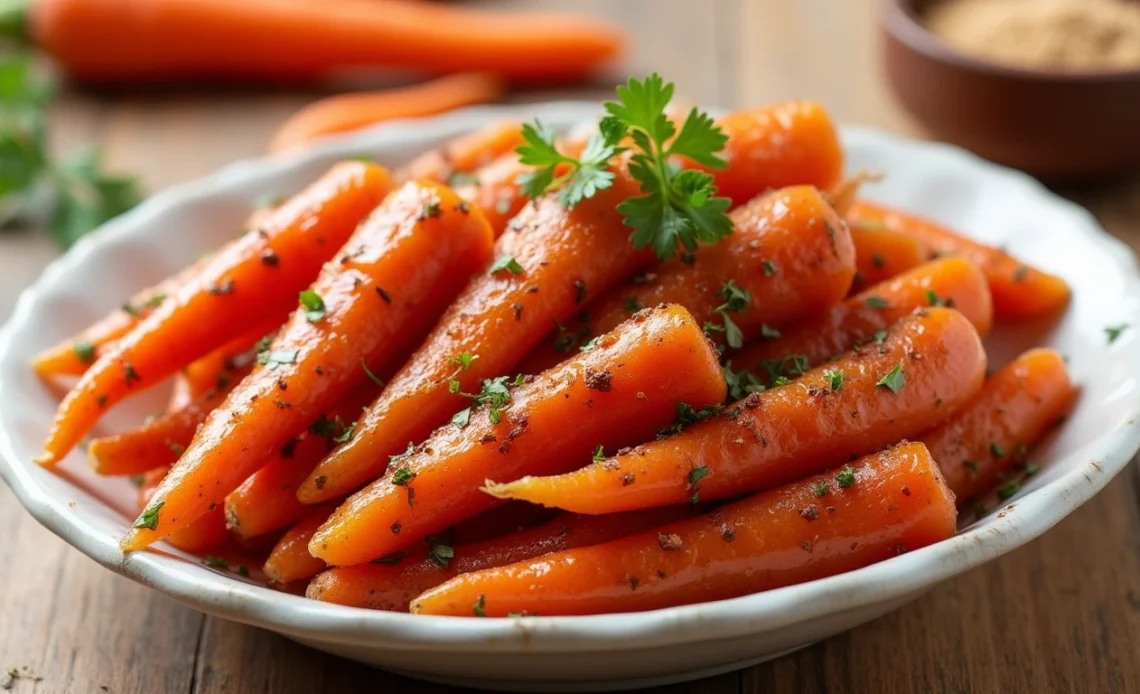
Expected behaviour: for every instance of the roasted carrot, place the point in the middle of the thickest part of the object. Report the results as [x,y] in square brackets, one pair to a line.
[620,392]
[928,365]
[253,278]
[224,363]
[205,534]
[461,157]
[881,254]
[162,40]
[880,506]
[993,434]
[497,320]
[394,277]
[863,318]
[391,585]
[290,559]
[1019,291]
[347,112]
[789,256]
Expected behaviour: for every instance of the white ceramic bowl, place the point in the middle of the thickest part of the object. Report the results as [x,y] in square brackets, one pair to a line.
[602,652]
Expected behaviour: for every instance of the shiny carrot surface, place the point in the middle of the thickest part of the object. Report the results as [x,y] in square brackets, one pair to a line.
[928,365]
[882,254]
[203,535]
[459,158]
[390,283]
[227,364]
[290,559]
[256,277]
[878,507]
[620,392]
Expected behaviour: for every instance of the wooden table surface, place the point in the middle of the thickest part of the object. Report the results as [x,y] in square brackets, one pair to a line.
[1060,614]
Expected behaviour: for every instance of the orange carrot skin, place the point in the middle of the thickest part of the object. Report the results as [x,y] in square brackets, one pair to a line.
[860,318]
[347,112]
[259,275]
[393,586]
[496,191]
[395,276]
[1019,291]
[897,503]
[990,436]
[793,143]
[162,40]
[290,559]
[619,393]
[789,251]
[205,534]
[789,432]
[466,153]
[225,363]
[882,254]
[499,317]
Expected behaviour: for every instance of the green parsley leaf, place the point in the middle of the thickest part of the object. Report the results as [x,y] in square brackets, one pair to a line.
[85,351]
[149,517]
[741,383]
[769,333]
[698,473]
[879,336]
[477,608]
[314,306]
[346,435]
[393,459]
[821,488]
[402,476]
[834,379]
[933,299]
[215,562]
[278,356]
[463,360]
[599,454]
[506,262]
[462,417]
[439,553]
[769,267]
[845,478]
[1114,331]
[583,177]
[1008,489]
[894,380]
[876,302]
[997,451]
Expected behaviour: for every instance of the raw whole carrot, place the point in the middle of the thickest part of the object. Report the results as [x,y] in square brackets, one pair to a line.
[499,318]
[252,279]
[392,585]
[863,317]
[224,363]
[462,156]
[928,365]
[881,254]
[290,559]
[1019,291]
[347,112]
[992,435]
[789,252]
[618,393]
[270,40]
[393,279]
[205,534]
[887,503]
[267,499]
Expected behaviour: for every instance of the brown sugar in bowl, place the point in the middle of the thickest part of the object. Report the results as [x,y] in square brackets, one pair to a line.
[1057,125]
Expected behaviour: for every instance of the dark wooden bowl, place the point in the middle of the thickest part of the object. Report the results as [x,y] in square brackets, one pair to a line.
[1057,125]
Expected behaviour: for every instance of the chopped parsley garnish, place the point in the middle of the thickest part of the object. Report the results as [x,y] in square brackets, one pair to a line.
[463,359]
[85,351]
[314,306]
[735,300]
[506,262]
[834,379]
[997,451]
[477,608]
[400,457]
[780,370]
[149,517]
[845,478]
[876,302]
[769,268]
[346,435]
[633,304]
[431,209]
[933,299]
[1008,489]
[278,356]
[494,392]
[599,454]
[821,488]
[687,414]
[894,380]
[741,383]
[769,333]
[215,562]
[1114,331]
[695,476]
[879,336]
[402,476]
[439,553]
[462,418]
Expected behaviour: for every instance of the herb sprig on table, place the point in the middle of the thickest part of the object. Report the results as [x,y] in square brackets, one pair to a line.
[679,208]
[72,196]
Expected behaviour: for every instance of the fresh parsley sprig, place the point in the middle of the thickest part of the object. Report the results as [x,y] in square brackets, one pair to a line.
[679,208]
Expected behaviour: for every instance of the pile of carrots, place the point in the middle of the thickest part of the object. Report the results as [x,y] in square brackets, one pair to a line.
[416,391]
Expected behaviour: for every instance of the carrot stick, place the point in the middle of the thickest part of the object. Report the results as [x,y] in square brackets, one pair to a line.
[462,156]
[162,40]
[347,112]
[205,534]
[887,503]
[499,318]
[290,559]
[863,317]
[616,394]
[395,276]
[789,252]
[255,277]
[882,254]
[392,584]
[1019,291]
[928,365]
[992,435]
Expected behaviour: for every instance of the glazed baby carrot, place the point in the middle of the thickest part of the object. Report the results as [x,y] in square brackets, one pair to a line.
[562,259]
[620,392]
[1019,291]
[878,507]
[459,158]
[205,534]
[881,254]
[393,279]
[162,40]
[495,190]
[863,318]
[224,363]
[255,277]
[789,256]
[991,435]
[290,559]
[928,365]
[347,112]
[391,585]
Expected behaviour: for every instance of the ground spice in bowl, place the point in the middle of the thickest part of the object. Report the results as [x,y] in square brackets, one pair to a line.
[1079,35]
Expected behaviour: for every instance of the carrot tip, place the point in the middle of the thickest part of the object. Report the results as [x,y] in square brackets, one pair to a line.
[46,459]
[499,491]
[133,542]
